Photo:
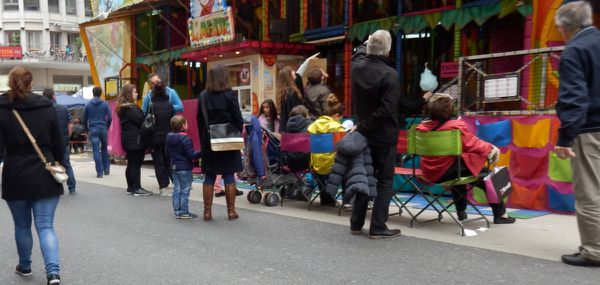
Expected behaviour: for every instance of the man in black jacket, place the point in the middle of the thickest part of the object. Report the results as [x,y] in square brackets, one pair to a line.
[375,87]
[578,108]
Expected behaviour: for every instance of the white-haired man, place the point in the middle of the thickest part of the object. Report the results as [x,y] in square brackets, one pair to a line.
[578,108]
[375,87]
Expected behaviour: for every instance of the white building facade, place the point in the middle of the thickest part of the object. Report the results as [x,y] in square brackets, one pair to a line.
[48,33]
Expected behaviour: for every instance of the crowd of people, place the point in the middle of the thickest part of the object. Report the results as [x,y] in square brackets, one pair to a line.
[34,135]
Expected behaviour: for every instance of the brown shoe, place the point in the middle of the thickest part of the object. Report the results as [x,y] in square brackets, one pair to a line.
[230,193]
[207,193]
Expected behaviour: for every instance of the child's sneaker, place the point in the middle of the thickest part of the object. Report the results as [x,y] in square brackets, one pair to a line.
[23,272]
[188,216]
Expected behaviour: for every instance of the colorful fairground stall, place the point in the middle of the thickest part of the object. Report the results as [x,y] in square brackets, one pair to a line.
[499,59]
[252,52]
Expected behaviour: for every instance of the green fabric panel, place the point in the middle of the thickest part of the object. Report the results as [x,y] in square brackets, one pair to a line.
[413,24]
[448,18]
[479,195]
[435,143]
[483,13]
[362,30]
[525,10]
[463,18]
[507,7]
[166,56]
[560,169]
[432,19]
[461,181]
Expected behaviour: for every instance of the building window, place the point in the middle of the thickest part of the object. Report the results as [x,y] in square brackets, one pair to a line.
[34,40]
[11,5]
[31,5]
[88,8]
[71,7]
[13,38]
[74,42]
[53,6]
[55,41]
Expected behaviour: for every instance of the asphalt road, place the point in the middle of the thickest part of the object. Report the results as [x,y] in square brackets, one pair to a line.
[108,237]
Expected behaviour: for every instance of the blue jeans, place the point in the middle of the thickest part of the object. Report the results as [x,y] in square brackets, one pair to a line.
[100,149]
[182,184]
[66,162]
[43,216]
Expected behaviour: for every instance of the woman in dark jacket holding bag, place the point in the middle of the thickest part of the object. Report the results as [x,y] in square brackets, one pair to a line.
[222,107]
[132,118]
[163,112]
[28,188]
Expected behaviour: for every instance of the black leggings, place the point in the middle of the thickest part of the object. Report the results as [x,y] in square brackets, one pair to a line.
[459,192]
[135,158]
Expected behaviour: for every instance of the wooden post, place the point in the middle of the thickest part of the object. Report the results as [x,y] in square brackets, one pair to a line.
[457,35]
[348,59]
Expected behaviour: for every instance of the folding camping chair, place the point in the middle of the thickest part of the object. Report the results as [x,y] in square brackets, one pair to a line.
[408,175]
[441,143]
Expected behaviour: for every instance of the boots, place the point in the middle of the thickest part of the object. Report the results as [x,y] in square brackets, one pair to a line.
[207,193]
[230,192]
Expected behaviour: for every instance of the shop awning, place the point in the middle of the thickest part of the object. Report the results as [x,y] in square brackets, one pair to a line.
[166,56]
[247,47]
[459,17]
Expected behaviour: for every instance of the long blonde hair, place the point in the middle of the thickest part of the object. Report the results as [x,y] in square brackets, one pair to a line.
[125,97]
[285,82]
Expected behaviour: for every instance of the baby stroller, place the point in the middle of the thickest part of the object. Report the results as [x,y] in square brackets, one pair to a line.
[263,166]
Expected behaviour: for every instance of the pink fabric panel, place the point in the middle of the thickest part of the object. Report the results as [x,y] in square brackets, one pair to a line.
[190,108]
[114,133]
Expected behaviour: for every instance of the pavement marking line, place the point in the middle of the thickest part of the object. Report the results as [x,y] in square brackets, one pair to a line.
[545,237]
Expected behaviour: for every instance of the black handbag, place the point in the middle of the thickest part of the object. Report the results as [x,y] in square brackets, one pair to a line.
[149,125]
[223,137]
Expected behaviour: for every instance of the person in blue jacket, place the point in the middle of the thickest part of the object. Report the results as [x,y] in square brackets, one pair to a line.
[153,79]
[578,109]
[181,151]
[97,118]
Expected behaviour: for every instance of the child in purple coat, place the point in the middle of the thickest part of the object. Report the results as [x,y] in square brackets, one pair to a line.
[180,149]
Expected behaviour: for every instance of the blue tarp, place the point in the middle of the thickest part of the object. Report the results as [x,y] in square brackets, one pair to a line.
[71,102]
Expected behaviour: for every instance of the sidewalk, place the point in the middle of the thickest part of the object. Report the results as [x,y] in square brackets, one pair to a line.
[545,237]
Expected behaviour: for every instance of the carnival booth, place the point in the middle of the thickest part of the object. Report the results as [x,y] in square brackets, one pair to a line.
[252,64]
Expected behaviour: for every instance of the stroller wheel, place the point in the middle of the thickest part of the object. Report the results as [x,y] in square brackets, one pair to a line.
[249,194]
[271,199]
[254,197]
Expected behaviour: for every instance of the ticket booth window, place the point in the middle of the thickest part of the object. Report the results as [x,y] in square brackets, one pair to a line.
[241,84]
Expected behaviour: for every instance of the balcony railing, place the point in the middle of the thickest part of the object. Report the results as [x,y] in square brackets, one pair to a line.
[55,55]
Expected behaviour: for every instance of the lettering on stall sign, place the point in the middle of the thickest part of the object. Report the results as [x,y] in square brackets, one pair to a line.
[211,29]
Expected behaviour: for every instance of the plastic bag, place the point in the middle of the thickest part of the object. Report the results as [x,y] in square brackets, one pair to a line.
[428,80]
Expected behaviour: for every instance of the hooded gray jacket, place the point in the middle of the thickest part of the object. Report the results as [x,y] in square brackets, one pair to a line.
[354,166]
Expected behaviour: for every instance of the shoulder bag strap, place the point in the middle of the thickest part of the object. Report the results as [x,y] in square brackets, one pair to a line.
[30,136]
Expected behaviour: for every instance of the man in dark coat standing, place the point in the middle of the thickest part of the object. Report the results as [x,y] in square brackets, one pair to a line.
[66,127]
[578,108]
[375,86]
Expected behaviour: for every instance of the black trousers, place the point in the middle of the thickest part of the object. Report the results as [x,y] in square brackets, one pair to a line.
[161,166]
[384,160]
[135,158]
[459,192]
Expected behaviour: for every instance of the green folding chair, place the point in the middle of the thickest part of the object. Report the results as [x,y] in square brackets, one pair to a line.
[409,176]
[442,143]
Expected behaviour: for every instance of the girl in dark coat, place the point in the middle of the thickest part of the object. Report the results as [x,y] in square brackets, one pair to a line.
[163,112]
[288,96]
[132,118]
[222,107]
[28,188]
